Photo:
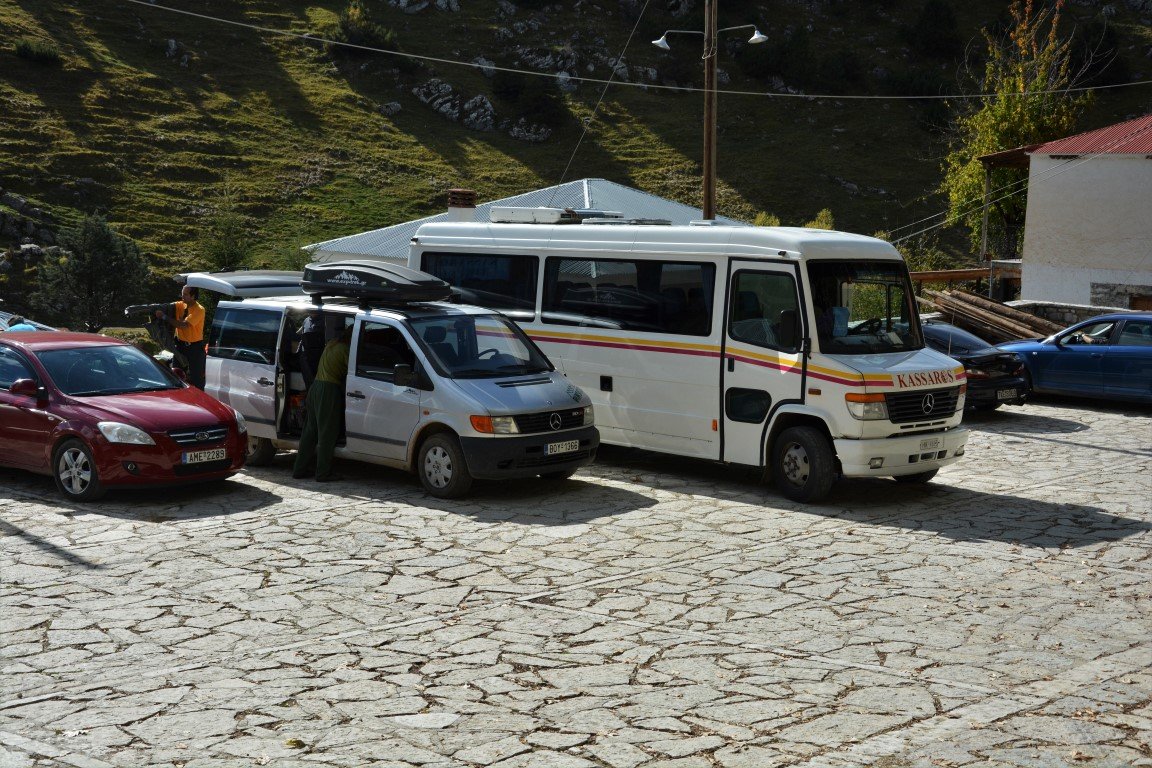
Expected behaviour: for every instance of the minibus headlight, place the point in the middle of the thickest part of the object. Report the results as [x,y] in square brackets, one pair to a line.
[866,407]
[115,432]
[495,425]
[589,416]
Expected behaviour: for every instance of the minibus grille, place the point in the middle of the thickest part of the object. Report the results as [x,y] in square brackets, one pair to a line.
[921,404]
[532,423]
[199,435]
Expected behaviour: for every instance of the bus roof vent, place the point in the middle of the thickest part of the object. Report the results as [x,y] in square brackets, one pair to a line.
[652,222]
[512,215]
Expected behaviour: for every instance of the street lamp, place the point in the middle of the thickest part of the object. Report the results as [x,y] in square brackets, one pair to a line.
[710,32]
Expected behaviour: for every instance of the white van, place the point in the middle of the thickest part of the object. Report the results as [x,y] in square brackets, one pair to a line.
[449,392]
[795,350]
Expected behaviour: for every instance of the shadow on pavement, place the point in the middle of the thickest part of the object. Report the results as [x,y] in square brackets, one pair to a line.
[958,513]
[47,547]
[155,504]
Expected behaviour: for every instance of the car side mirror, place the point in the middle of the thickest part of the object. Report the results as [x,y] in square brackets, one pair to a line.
[403,375]
[28,388]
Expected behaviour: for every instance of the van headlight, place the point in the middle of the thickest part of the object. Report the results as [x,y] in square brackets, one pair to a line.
[866,407]
[589,416]
[241,422]
[116,432]
[494,425]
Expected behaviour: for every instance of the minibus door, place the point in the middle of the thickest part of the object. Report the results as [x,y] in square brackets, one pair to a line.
[762,361]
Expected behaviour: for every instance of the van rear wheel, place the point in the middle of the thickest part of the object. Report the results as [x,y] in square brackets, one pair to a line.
[803,465]
[442,469]
[261,451]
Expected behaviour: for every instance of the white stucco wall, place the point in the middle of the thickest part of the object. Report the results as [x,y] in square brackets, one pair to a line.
[1089,221]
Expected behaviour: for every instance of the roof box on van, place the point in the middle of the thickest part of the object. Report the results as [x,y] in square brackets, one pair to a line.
[373,281]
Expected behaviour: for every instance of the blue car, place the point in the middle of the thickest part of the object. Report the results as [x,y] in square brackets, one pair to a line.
[1109,356]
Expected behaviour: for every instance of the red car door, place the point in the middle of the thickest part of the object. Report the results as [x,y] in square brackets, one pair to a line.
[25,424]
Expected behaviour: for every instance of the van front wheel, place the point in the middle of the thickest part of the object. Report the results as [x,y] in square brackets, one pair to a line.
[442,469]
[803,464]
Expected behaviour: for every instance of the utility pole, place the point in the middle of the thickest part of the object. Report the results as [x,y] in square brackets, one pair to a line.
[709,190]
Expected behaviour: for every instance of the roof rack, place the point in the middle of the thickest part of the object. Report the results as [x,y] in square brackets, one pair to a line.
[645,222]
[375,282]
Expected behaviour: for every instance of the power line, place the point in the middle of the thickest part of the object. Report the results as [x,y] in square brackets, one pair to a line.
[313,39]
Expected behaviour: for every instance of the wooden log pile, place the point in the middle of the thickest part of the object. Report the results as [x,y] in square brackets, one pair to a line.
[988,319]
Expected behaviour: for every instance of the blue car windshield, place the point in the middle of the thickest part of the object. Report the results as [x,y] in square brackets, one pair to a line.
[105,370]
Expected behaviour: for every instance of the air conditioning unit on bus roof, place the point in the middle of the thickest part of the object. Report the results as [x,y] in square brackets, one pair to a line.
[514,215]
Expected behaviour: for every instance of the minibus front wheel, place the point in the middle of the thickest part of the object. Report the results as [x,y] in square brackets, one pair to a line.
[803,464]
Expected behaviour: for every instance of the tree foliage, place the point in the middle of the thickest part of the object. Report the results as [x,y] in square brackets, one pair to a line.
[226,238]
[823,220]
[88,281]
[1028,72]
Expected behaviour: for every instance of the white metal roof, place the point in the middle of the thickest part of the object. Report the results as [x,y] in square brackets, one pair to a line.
[392,242]
[727,241]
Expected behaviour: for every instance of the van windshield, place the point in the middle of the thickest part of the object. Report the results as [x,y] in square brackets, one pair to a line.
[478,346]
[864,307]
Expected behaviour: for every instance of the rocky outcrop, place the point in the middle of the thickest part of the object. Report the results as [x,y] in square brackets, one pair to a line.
[22,222]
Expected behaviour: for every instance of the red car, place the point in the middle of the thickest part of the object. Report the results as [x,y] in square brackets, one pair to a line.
[97,413]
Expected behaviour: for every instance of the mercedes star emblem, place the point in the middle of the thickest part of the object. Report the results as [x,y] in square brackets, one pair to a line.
[555,421]
[928,404]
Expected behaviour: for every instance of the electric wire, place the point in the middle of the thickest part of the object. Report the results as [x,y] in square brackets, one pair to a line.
[314,39]
[595,109]
[1044,176]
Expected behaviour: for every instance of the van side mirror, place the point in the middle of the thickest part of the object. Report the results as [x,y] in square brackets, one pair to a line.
[28,388]
[403,375]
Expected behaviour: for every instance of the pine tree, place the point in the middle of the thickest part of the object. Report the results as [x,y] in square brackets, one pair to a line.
[88,281]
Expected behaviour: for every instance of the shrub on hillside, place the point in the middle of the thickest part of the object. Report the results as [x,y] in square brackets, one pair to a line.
[356,27]
[37,50]
[536,99]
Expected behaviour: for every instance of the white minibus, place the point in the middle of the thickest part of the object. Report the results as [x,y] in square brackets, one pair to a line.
[795,350]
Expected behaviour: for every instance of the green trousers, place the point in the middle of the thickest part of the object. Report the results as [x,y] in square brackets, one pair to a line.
[321,428]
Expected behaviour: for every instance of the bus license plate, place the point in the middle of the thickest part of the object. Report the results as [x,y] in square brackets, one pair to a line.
[932,444]
[198,457]
[1006,394]
[568,446]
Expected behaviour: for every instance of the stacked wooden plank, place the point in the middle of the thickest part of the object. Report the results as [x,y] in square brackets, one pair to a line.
[988,319]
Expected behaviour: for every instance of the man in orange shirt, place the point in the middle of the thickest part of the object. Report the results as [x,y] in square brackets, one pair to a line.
[188,320]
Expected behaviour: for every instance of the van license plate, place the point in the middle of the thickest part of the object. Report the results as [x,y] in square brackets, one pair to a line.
[568,446]
[198,457]
[1006,394]
[932,444]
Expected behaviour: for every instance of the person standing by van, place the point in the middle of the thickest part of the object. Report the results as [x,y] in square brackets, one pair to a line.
[325,406]
[188,320]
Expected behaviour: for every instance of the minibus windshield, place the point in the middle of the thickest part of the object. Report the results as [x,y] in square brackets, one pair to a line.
[864,307]
[478,346]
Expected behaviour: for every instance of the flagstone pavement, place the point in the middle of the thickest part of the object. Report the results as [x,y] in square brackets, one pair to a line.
[651,612]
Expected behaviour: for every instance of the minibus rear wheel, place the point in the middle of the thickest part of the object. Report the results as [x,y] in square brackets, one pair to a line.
[803,465]
[442,468]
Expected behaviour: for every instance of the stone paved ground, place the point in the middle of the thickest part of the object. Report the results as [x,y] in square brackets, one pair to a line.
[651,612]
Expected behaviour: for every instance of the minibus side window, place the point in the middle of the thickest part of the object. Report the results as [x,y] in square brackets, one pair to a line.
[507,283]
[763,310]
[652,296]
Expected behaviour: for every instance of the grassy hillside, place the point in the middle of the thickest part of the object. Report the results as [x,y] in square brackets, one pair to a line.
[148,115]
